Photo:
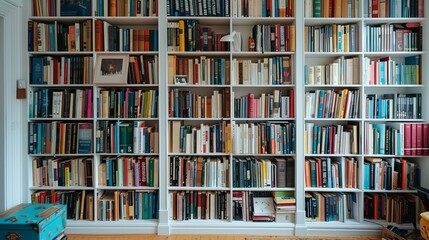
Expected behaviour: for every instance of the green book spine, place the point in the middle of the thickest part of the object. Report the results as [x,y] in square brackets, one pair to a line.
[317,8]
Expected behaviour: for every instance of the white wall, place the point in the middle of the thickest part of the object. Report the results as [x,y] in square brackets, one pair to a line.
[12,180]
[2,120]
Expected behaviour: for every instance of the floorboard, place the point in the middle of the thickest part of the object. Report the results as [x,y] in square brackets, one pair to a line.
[211,237]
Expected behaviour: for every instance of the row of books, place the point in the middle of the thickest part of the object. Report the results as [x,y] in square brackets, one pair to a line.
[127,103]
[125,171]
[128,205]
[263,138]
[394,106]
[46,8]
[203,138]
[390,174]
[342,71]
[329,9]
[264,8]
[198,8]
[334,139]
[392,208]
[110,37]
[188,35]
[403,139]
[199,171]
[273,38]
[198,71]
[188,205]
[250,172]
[68,103]
[143,70]
[126,137]
[278,104]
[394,8]
[332,103]
[126,8]
[275,70]
[332,38]
[56,36]
[61,70]
[187,104]
[385,71]
[59,138]
[80,204]
[331,173]
[326,206]
[263,206]
[393,37]
[56,172]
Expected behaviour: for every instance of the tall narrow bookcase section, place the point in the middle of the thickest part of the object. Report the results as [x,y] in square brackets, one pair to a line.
[94,112]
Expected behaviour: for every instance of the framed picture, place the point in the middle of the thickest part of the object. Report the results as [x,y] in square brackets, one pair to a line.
[180,79]
[111,69]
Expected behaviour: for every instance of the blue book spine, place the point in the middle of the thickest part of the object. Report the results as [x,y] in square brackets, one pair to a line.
[329,166]
[37,70]
[132,7]
[320,111]
[326,147]
[52,45]
[117,137]
[315,132]
[222,71]
[367,176]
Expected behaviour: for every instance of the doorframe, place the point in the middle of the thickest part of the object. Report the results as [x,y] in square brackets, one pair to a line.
[13,182]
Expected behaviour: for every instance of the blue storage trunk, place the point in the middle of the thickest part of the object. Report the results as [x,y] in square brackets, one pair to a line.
[33,221]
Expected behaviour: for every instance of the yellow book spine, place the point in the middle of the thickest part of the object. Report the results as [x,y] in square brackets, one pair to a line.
[181,35]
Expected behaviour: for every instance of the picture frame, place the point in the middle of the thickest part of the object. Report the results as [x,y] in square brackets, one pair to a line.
[111,69]
[181,80]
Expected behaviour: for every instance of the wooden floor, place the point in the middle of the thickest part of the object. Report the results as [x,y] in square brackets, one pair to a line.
[211,237]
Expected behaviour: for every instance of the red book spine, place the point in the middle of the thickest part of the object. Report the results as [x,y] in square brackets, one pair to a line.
[413,139]
[425,139]
[407,139]
[419,139]
[375,8]
[251,110]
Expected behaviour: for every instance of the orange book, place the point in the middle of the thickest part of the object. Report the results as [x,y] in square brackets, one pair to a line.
[146,39]
[140,39]
[88,35]
[99,35]
[307,174]
[72,38]
[112,8]
[135,37]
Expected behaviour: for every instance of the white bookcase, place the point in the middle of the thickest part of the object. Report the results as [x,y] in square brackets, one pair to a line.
[165,224]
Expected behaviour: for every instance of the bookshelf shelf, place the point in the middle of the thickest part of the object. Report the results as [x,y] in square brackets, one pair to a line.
[331,54]
[393,120]
[62,53]
[321,21]
[263,189]
[392,20]
[198,188]
[260,54]
[245,21]
[331,119]
[333,190]
[59,188]
[389,191]
[394,54]
[130,21]
[140,188]
[311,87]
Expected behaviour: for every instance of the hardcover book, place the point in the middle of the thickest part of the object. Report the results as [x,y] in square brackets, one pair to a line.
[75,8]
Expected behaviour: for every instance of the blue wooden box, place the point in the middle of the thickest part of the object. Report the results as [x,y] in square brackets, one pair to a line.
[33,221]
